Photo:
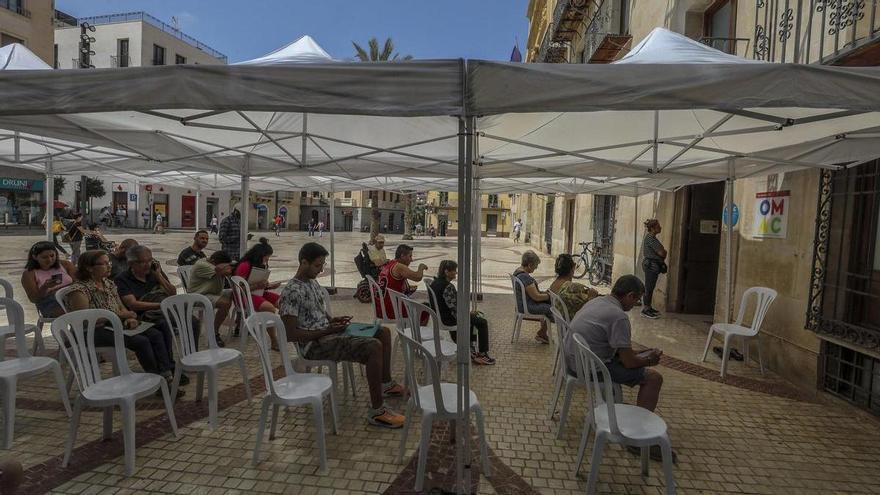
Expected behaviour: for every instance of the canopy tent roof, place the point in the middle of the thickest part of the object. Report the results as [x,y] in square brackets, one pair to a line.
[16,56]
[305,50]
[665,126]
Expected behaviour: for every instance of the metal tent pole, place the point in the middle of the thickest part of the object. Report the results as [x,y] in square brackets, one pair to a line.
[729,242]
[478,242]
[465,208]
[245,205]
[50,198]
[198,206]
[636,234]
[332,242]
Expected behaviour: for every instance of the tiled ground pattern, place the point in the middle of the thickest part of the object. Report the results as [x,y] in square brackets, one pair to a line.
[746,434]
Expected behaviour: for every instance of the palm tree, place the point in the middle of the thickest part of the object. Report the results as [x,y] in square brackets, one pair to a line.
[374,55]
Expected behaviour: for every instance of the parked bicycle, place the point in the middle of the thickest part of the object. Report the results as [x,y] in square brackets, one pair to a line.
[590,261]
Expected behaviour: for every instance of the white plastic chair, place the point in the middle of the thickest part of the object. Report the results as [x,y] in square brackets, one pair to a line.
[243,303]
[106,353]
[561,311]
[9,330]
[568,379]
[426,332]
[441,349]
[75,334]
[763,298]
[294,389]
[376,292]
[432,298]
[180,311]
[23,366]
[438,401]
[332,366]
[184,272]
[617,423]
[520,289]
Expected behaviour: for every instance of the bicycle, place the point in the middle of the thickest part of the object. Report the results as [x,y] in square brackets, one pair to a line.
[590,261]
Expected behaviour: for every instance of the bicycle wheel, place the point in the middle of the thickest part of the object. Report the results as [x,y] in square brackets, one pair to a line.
[597,271]
[580,267]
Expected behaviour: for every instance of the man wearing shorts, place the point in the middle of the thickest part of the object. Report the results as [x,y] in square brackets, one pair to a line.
[206,278]
[324,338]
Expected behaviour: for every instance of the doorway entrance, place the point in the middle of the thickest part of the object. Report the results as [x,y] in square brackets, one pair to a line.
[443,221]
[188,212]
[491,225]
[700,253]
[211,210]
[569,227]
[548,223]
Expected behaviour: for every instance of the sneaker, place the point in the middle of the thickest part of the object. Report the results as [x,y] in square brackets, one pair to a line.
[385,418]
[393,389]
[220,342]
[650,314]
[488,358]
[542,338]
[184,380]
[482,359]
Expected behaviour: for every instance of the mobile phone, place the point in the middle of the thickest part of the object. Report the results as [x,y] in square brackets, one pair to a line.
[57,278]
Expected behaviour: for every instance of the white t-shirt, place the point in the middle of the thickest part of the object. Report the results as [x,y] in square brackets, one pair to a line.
[517,226]
[158,217]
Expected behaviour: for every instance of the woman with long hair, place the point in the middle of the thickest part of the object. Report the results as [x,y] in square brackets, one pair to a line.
[447,302]
[45,273]
[261,292]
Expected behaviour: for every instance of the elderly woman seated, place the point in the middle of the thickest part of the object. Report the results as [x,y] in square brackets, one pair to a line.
[573,294]
[537,302]
[93,290]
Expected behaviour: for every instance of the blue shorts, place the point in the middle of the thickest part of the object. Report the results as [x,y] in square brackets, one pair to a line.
[623,375]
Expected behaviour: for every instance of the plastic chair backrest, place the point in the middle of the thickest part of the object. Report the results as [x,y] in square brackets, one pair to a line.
[557,303]
[180,311]
[241,296]
[325,296]
[184,272]
[61,296]
[257,326]
[397,306]
[414,311]
[413,350]
[75,334]
[590,369]
[15,315]
[376,294]
[7,288]
[763,298]
[561,325]
[519,295]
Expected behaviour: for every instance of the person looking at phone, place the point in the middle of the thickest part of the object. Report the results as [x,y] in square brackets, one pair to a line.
[93,290]
[396,275]
[322,337]
[43,275]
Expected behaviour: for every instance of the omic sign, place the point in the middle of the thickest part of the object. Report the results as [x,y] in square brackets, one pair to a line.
[771,214]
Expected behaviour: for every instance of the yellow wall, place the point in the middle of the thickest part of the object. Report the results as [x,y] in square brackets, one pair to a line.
[37,31]
[436,210]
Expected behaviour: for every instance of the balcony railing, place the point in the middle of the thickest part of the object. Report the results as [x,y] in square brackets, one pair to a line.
[120,61]
[815,31]
[564,28]
[733,46]
[16,6]
[607,32]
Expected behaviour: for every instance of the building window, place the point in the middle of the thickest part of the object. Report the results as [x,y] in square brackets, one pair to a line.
[179,59]
[55,57]
[844,298]
[444,199]
[304,194]
[852,376]
[719,26]
[383,195]
[347,194]
[7,39]
[158,55]
[493,201]
[316,194]
[16,6]
[122,53]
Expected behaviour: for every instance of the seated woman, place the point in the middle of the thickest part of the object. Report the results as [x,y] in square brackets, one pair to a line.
[263,299]
[447,302]
[43,275]
[537,302]
[93,290]
[95,239]
[573,294]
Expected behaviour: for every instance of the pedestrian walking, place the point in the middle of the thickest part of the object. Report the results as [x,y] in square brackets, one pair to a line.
[159,228]
[312,228]
[145,216]
[278,221]
[517,228]
[214,224]
[321,228]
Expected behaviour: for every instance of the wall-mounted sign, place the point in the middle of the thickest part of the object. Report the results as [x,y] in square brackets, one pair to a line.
[133,197]
[771,214]
[708,226]
[148,187]
[724,217]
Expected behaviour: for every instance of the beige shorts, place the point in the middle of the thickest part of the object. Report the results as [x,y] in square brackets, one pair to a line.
[214,298]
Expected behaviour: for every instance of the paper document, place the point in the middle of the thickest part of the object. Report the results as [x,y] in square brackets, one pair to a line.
[362,329]
[144,325]
[258,275]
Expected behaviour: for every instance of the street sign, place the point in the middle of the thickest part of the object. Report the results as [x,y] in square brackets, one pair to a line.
[735,215]
[132,197]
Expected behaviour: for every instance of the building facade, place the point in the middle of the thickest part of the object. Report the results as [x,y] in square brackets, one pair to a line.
[496,218]
[353,210]
[823,328]
[30,23]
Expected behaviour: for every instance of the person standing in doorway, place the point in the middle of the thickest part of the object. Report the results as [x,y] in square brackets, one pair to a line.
[312,227]
[517,228]
[654,264]
[230,234]
[214,224]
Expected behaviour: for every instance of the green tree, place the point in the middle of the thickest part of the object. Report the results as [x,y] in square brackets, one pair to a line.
[375,55]
[95,188]
[60,183]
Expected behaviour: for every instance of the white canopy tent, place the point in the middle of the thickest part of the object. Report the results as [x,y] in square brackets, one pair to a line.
[644,124]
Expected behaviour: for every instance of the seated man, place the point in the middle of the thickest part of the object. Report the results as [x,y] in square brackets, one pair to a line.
[302,309]
[196,252]
[605,326]
[376,250]
[396,275]
[142,288]
[118,260]
[207,278]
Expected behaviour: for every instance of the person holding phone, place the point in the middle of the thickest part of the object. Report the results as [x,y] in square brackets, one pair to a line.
[323,337]
[43,275]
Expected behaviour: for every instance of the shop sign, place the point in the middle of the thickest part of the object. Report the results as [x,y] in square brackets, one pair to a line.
[10,183]
[771,214]
[132,197]
[148,188]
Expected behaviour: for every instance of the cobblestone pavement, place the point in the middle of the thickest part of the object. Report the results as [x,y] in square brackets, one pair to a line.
[746,434]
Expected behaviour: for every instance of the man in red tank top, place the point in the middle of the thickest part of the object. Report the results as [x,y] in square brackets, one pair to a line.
[395,275]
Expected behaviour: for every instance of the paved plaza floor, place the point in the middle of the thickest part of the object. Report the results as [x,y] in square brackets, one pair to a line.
[745,434]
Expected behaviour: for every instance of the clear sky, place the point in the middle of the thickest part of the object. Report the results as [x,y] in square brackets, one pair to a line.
[425,29]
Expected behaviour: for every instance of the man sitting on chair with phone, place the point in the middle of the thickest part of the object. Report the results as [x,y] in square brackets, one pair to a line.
[338,339]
